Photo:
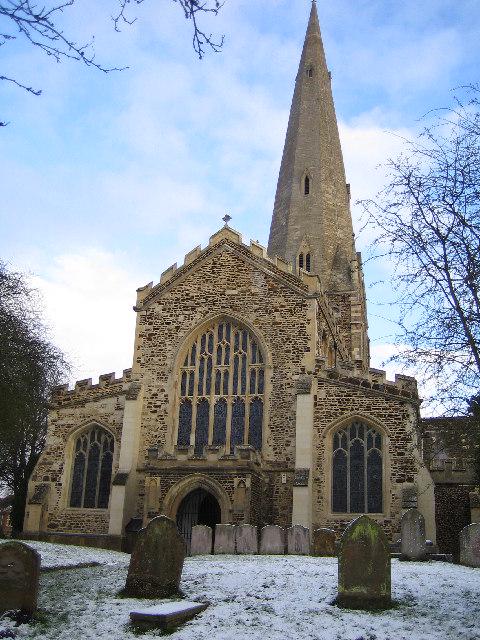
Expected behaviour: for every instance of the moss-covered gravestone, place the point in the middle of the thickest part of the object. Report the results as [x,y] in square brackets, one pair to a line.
[157,561]
[364,571]
[19,576]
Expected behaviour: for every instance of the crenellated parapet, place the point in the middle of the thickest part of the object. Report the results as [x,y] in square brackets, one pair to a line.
[297,277]
[374,379]
[107,382]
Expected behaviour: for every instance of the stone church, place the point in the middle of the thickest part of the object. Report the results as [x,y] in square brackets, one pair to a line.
[250,398]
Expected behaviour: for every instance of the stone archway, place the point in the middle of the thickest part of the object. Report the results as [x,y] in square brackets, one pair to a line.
[186,487]
[197,507]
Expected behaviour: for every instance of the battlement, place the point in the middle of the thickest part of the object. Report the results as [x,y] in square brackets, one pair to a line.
[82,386]
[376,379]
[311,281]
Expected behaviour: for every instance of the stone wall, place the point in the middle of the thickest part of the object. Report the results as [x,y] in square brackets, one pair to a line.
[228,280]
[450,448]
[386,406]
[86,404]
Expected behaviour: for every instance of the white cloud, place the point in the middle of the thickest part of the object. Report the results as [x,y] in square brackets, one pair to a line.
[88,299]
[367,145]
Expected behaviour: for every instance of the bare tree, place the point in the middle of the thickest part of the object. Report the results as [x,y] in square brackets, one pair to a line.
[427,221]
[38,24]
[30,365]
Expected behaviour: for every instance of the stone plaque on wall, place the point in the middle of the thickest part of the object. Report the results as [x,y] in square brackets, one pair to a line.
[300,478]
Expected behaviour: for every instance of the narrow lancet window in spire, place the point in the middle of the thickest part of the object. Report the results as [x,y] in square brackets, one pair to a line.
[308,262]
[300,261]
[306,186]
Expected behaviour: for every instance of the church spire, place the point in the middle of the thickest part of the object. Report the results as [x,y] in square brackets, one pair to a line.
[311,216]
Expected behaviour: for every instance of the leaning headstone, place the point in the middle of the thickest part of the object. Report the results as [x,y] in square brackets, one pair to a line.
[470,545]
[364,568]
[246,539]
[272,540]
[298,540]
[413,544]
[157,561]
[201,544]
[225,538]
[323,542]
[19,576]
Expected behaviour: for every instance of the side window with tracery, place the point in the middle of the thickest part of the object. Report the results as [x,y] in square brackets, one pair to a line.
[357,470]
[222,385]
[92,469]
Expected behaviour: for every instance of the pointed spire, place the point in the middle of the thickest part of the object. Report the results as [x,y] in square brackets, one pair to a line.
[312,201]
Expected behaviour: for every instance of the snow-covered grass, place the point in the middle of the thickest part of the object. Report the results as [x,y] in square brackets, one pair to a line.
[257,597]
[63,555]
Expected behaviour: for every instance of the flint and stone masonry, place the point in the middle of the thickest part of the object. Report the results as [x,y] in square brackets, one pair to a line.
[188,434]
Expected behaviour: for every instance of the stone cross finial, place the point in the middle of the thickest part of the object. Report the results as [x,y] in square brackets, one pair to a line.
[226,218]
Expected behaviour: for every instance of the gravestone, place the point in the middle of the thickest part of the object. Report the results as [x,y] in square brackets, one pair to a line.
[157,561]
[246,539]
[201,544]
[272,540]
[19,576]
[323,542]
[298,540]
[167,615]
[413,543]
[224,538]
[364,568]
[470,545]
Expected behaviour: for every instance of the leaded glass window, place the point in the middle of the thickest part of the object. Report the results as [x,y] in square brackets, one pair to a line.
[221,385]
[92,469]
[357,470]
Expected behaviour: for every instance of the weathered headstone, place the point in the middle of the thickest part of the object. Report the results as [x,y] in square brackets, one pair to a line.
[470,545]
[298,540]
[19,575]
[246,538]
[157,561]
[364,567]
[201,544]
[167,615]
[323,542]
[272,540]
[413,544]
[224,538]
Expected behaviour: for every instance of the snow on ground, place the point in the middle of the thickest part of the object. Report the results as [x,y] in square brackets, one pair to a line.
[261,598]
[63,555]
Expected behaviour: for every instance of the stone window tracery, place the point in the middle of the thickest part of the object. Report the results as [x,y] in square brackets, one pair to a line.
[357,485]
[92,469]
[222,386]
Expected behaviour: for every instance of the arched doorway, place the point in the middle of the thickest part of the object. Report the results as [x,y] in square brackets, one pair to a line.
[198,507]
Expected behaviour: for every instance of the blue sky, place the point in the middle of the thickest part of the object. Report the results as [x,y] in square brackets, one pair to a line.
[106,180]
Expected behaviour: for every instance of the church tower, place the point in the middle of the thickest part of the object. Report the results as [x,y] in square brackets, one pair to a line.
[312,224]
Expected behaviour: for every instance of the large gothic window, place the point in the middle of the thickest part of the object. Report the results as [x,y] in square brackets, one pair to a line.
[357,470]
[92,469]
[222,390]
